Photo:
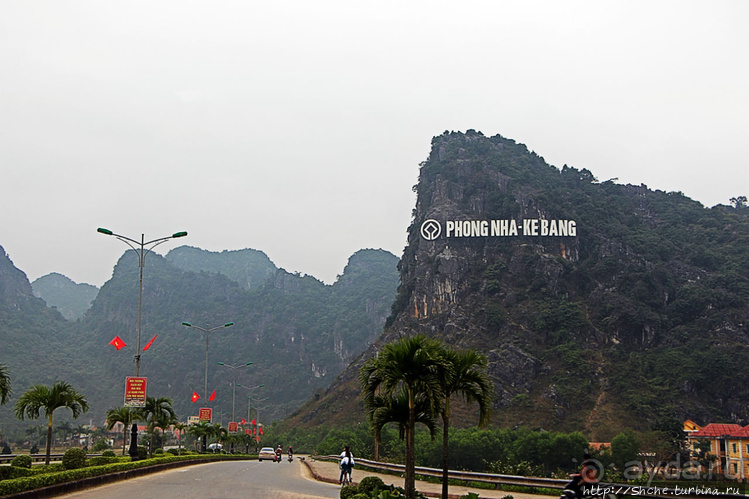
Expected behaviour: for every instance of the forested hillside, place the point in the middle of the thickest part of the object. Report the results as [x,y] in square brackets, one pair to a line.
[635,315]
[298,332]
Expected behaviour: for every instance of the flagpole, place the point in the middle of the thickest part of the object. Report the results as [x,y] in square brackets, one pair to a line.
[142,252]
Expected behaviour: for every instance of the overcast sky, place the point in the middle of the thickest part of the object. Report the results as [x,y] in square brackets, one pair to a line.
[297,127]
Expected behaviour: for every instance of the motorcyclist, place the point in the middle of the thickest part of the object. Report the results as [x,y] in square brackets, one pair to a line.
[587,477]
[279,452]
[291,454]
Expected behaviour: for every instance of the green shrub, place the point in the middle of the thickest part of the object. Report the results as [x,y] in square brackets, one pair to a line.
[142,452]
[102,460]
[22,461]
[100,445]
[370,484]
[348,491]
[10,472]
[173,452]
[360,495]
[158,452]
[74,458]
[108,453]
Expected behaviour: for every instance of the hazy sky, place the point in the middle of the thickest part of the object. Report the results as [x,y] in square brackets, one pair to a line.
[297,127]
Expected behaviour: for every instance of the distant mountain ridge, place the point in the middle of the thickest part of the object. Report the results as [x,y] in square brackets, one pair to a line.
[637,317]
[297,331]
[70,298]
[250,268]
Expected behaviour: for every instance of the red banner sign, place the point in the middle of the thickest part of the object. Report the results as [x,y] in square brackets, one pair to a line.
[233,427]
[135,392]
[205,414]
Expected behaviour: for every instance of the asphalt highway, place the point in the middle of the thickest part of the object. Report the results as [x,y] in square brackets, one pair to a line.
[220,480]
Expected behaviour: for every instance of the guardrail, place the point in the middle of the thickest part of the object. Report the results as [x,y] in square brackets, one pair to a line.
[610,490]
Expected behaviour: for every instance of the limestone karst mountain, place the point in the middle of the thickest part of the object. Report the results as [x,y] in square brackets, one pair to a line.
[600,306]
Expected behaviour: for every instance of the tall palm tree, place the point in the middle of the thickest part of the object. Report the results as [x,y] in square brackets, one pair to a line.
[40,398]
[410,365]
[5,390]
[463,373]
[154,413]
[125,415]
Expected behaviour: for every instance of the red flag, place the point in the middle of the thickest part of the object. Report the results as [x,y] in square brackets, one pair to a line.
[118,343]
[253,422]
[243,421]
[261,430]
[254,431]
[149,343]
[195,396]
[213,395]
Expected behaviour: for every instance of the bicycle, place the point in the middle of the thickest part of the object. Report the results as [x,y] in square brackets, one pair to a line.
[346,477]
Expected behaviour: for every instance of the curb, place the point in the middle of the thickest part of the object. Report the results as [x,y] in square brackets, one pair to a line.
[95,481]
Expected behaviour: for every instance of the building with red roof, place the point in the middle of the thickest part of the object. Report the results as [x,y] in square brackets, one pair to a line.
[729,446]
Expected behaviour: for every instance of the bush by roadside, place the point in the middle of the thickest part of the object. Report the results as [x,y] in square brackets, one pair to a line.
[21,479]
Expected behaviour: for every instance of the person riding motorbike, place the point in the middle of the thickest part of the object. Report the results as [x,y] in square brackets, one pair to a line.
[291,454]
[279,451]
[588,477]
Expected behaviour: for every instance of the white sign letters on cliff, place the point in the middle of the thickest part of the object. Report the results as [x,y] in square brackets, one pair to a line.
[432,229]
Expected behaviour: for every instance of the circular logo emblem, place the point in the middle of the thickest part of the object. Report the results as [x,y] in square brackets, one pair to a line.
[431,229]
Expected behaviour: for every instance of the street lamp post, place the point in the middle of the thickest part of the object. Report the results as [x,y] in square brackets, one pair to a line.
[205,332]
[234,383]
[250,389]
[250,398]
[141,249]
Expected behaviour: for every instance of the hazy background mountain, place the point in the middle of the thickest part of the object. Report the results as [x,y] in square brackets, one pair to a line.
[639,319]
[298,332]
[70,298]
[250,268]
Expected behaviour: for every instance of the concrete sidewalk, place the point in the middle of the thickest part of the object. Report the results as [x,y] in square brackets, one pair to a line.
[326,471]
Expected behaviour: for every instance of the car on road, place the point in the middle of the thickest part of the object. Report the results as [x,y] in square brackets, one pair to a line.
[267,453]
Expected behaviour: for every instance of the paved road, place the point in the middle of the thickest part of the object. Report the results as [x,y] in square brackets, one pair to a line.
[227,479]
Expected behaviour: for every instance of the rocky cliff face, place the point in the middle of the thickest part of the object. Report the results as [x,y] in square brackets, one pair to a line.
[15,290]
[574,289]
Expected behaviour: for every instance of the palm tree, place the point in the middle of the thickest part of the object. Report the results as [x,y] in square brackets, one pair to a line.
[154,413]
[34,434]
[65,427]
[200,431]
[394,409]
[180,429]
[40,398]
[125,415]
[218,431]
[464,374]
[164,422]
[411,365]
[5,390]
